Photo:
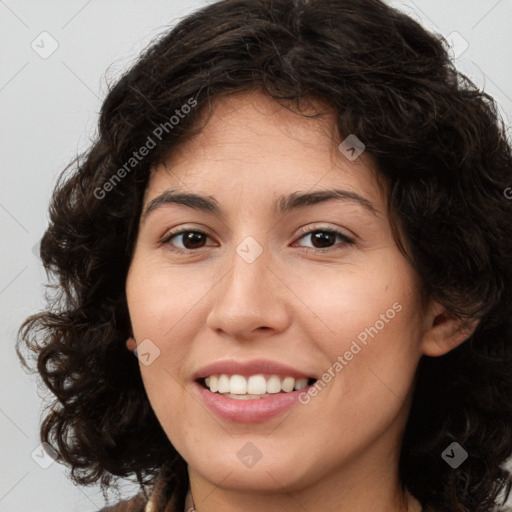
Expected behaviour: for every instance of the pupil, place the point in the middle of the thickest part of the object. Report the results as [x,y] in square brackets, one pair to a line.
[191,237]
[323,237]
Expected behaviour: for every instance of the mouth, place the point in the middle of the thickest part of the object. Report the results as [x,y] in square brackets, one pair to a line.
[254,387]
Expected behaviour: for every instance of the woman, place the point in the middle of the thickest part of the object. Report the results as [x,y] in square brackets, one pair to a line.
[294,217]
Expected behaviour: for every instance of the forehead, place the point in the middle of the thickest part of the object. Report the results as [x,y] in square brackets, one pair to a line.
[246,123]
[251,143]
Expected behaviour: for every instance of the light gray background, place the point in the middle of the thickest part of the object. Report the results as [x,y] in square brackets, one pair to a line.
[49,110]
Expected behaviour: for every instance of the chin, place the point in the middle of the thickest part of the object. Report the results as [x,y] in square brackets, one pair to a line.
[267,475]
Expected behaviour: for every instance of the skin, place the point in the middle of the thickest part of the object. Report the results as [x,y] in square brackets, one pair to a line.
[339,452]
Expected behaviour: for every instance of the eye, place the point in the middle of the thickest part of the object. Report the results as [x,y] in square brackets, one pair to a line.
[191,239]
[322,239]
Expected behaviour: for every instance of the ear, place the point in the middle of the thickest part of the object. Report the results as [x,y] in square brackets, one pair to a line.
[443,331]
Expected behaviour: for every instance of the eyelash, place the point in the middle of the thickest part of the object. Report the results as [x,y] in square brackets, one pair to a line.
[303,232]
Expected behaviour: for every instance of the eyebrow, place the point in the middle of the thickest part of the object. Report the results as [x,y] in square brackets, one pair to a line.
[282,205]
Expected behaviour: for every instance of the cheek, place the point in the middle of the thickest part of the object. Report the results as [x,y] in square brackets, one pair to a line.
[367,324]
[340,305]
[157,313]
[160,297]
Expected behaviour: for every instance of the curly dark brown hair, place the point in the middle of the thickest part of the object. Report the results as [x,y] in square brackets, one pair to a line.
[437,140]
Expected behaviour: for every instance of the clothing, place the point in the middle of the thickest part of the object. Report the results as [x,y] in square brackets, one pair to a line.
[139,503]
[135,504]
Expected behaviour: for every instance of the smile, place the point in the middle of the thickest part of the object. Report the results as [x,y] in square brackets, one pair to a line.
[250,407]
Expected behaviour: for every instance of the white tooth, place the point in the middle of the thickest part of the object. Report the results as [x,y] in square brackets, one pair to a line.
[274,384]
[223,383]
[287,384]
[300,384]
[214,383]
[237,385]
[256,385]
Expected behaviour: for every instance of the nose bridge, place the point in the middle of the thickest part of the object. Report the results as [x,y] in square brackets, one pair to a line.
[248,298]
[249,270]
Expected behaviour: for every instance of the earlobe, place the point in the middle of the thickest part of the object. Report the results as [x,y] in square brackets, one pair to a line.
[131,344]
[444,332]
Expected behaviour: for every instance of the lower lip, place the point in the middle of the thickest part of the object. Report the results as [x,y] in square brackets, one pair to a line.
[249,411]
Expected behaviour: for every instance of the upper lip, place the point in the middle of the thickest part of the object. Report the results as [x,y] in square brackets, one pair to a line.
[248,368]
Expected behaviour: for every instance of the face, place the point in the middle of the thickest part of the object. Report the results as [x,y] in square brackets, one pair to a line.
[268,286]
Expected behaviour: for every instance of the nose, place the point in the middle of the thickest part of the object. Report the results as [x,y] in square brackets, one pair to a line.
[250,299]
